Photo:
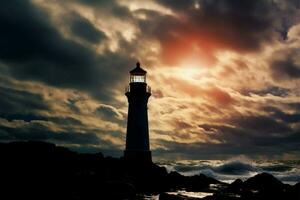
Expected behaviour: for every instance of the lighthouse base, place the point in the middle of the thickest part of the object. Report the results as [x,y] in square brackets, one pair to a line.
[138,156]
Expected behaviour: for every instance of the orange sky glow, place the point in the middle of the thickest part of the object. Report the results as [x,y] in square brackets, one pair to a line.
[224,77]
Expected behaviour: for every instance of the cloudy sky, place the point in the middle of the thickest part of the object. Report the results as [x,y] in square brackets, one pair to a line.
[225,75]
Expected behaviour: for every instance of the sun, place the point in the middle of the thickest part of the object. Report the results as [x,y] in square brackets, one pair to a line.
[190,68]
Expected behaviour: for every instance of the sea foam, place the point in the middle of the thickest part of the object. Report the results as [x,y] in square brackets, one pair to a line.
[243,168]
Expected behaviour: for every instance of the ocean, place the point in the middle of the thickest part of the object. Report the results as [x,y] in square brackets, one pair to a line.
[229,170]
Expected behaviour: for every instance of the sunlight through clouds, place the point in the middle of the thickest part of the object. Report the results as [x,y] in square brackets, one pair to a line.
[222,74]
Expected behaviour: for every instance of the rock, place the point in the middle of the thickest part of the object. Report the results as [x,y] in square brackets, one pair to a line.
[237,183]
[34,170]
[199,183]
[264,186]
[263,181]
[294,192]
[236,186]
[119,190]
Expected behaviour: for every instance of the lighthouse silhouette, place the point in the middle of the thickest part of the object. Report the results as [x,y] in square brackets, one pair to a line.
[137,137]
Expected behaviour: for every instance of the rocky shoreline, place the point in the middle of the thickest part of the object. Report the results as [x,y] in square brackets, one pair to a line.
[38,170]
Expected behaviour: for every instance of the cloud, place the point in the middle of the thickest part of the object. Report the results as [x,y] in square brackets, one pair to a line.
[224,74]
[34,112]
[275,91]
[255,136]
[39,132]
[286,117]
[260,125]
[179,124]
[20,103]
[241,26]
[285,69]
[85,29]
[34,49]
[268,148]
[284,63]
[110,113]
[221,97]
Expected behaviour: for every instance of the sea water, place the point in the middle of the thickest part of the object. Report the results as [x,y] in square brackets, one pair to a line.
[229,170]
[287,171]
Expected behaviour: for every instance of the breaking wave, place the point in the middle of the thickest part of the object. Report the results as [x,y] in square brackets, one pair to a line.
[230,170]
[235,168]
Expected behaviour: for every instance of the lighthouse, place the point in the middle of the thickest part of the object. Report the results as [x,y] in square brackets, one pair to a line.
[137,137]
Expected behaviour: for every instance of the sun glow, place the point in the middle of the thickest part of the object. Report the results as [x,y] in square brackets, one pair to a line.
[191,69]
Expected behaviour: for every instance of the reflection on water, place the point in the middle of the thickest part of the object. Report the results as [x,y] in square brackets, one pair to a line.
[192,194]
[230,170]
[181,193]
[152,197]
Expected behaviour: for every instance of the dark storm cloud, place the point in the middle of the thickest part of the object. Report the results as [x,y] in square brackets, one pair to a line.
[40,132]
[23,117]
[26,106]
[25,121]
[85,29]
[259,124]
[255,135]
[284,63]
[285,69]
[64,120]
[242,26]
[295,106]
[98,3]
[203,150]
[33,49]
[29,39]
[263,146]
[249,135]
[284,144]
[275,91]
[20,103]
[286,117]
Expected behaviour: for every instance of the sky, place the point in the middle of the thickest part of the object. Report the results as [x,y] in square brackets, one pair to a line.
[225,75]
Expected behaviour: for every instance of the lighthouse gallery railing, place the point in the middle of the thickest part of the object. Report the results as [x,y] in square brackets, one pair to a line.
[148,89]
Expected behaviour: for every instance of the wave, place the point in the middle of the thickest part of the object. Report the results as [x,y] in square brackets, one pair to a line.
[277,168]
[228,171]
[235,168]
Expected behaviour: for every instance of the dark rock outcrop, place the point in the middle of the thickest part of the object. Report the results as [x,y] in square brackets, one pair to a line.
[263,181]
[260,187]
[236,186]
[38,170]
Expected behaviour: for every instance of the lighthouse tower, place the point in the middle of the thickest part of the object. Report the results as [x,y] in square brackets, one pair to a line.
[137,138]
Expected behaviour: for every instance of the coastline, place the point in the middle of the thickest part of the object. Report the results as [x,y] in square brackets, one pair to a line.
[38,170]
[287,171]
